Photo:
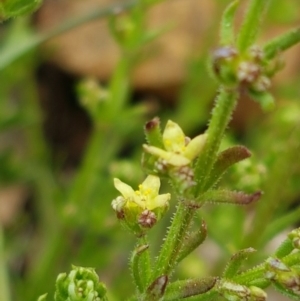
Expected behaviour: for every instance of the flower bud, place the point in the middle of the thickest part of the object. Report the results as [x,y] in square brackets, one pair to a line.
[81,284]
[236,292]
[91,95]
[249,70]
[294,236]
[233,291]
[286,277]
[257,294]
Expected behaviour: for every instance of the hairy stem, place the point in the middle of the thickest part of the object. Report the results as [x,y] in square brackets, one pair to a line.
[168,256]
[221,115]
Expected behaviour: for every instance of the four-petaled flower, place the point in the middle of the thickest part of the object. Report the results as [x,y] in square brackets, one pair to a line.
[132,205]
[179,149]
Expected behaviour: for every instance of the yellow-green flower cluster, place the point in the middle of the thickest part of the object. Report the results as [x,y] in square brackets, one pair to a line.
[176,155]
[179,150]
[140,209]
[173,155]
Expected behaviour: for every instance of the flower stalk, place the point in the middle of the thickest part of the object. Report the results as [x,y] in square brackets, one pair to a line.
[224,105]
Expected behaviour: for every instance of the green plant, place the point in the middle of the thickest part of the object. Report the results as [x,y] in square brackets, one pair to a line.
[194,169]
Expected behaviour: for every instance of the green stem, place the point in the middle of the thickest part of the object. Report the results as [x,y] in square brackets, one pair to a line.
[106,137]
[38,172]
[250,275]
[168,256]
[251,24]
[221,115]
[98,153]
[4,282]
[281,43]
[145,264]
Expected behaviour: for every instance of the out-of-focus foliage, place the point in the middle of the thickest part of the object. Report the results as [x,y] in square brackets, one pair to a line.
[14,8]
[65,216]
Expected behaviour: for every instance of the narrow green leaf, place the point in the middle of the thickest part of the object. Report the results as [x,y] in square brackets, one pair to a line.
[226,159]
[193,241]
[265,99]
[222,196]
[42,298]
[234,265]
[252,276]
[139,259]
[292,259]
[187,288]
[251,24]
[285,248]
[153,133]
[227,24]
[168,255]
[281,43]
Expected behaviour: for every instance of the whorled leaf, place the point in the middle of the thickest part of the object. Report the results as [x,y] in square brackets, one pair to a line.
[227,24]
[222,196]
[233,266]
[187,288]
[194,240]
[135,263]
[225,159]
[285,248]
[264,98]
[281,43]
[251,23]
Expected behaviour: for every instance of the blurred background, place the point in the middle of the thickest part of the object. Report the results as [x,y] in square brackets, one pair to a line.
[62,142]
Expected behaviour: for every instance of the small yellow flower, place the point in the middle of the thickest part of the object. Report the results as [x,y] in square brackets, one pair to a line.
[142,208]
[179,149]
